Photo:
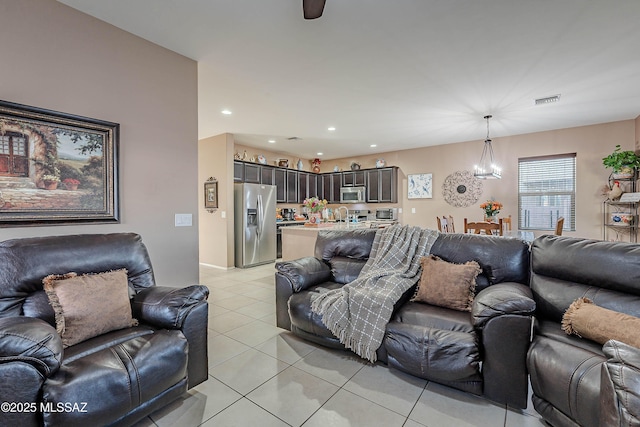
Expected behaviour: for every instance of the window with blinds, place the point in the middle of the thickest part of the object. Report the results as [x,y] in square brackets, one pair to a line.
[547,191]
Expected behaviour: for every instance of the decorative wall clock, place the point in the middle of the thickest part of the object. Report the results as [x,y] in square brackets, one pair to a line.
[461,189]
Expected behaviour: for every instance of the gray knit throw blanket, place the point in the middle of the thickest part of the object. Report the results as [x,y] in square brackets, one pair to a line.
[358,312]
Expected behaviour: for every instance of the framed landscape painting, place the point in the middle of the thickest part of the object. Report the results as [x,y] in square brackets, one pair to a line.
[56,168]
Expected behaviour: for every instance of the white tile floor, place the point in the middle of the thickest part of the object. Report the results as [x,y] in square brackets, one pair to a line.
[261,375]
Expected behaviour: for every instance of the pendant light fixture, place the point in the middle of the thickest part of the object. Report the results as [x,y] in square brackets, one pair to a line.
[487,168]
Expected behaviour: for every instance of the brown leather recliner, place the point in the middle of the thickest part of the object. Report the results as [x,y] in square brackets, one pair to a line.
[571,382]
[482,352]
[116,378]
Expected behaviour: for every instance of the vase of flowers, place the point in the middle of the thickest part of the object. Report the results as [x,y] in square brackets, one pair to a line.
[314,207]
[491,209]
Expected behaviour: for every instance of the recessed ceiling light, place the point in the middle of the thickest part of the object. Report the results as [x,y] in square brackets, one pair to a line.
[272,141]
[319,154]
[331,128]
[226,112]
[373,145]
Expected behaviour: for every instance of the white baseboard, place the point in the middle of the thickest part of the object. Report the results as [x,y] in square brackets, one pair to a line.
[216,266]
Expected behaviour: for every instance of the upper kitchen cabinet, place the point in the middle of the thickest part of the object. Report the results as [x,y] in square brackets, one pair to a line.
[246,172]
[307,186]
[353,178]
[267,175]
[329,186]
[292,186]
[280,181]
[238,171]
[251,173]
[382,185]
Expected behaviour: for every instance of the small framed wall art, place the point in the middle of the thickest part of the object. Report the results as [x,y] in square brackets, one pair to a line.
[420,186]
[211,195]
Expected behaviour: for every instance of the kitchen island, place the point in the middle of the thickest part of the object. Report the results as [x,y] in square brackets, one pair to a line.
[300,241]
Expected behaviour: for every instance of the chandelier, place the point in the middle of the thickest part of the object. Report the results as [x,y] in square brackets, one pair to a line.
[487,168]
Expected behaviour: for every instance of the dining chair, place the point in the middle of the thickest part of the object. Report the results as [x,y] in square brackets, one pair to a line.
[559,226]
[487,227]
[445,225]
[507,223]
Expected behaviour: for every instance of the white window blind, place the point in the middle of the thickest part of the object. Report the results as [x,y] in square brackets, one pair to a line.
[547,191]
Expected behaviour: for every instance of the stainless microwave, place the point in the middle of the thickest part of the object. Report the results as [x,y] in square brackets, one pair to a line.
[353,194]
[387,214]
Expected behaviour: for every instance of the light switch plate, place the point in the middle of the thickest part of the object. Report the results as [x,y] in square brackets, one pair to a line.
[184,220]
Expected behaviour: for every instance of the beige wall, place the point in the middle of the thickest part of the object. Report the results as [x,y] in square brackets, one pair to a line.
[57,58]
[591,143]
[215,159]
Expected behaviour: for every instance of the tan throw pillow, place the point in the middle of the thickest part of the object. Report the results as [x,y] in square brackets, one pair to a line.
[89,305]
[585,319]
[446,284]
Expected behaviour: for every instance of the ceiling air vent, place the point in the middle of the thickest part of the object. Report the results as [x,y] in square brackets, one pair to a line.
[548,100]
[294,138]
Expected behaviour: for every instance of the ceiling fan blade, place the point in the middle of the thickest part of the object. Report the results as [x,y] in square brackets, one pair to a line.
[312,8]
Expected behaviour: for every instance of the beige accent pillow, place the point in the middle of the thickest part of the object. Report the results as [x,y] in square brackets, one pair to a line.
[587,320]
[446,284]
[89,305]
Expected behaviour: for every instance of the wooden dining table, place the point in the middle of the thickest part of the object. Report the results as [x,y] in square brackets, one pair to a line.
[526,236]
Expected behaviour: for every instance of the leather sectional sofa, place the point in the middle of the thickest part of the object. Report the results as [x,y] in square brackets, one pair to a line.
[576,381]
[115,378]
[482,351]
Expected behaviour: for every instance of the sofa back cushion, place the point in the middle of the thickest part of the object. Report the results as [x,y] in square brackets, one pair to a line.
[25,262]
[346,251]
[567,268]
[501,259]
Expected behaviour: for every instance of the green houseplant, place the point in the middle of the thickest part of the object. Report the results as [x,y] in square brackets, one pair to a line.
[623,163]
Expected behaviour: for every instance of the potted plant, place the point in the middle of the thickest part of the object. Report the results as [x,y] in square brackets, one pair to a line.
[50,181]
[623,163]
[71,184]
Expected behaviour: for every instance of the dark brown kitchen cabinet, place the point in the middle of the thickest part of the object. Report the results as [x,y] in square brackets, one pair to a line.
[325,182]
[314,190]
[336,183]
[308,186]
[329,187]
[303,186]
[382,185]
[280,181]
[252,173]
[267,175]
[238,172]
[292,186]
[353,179]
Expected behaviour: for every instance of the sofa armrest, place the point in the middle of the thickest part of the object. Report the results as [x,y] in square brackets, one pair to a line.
[620,385]
[32,341]
[295,276]
[304,272]
[167,307]
[502,299]
[503,314]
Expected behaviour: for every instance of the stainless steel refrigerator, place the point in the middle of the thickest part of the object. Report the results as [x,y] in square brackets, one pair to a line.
[255,224]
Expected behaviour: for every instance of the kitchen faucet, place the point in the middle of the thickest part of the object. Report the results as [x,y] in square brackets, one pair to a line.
[346,217]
